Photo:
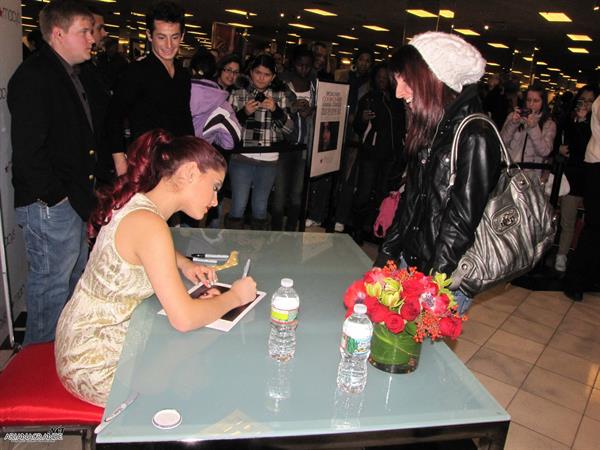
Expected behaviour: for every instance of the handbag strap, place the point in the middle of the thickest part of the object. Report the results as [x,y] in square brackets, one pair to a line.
[454,152]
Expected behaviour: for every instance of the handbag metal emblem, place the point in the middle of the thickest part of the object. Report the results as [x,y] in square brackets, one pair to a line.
[505,219]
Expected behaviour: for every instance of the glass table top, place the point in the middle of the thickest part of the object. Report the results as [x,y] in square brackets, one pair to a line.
[225,386]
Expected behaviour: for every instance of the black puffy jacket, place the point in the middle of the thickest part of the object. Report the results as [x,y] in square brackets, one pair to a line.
[433,229]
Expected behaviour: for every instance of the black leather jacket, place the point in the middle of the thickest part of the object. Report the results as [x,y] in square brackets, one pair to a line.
[432,229]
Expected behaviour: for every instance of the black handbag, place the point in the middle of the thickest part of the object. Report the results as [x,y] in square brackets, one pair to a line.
[516,228]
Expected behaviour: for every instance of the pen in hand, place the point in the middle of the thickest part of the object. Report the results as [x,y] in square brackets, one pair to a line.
[246,268]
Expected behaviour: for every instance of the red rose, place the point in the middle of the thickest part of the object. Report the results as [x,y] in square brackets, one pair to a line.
[417,285]
[411,309]
[440,304]
[394,323]
[450,327]
[375,275]
[355,291]
[379,313]
[370,303]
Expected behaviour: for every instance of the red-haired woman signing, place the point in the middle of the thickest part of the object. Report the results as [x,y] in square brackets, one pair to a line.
[134,257]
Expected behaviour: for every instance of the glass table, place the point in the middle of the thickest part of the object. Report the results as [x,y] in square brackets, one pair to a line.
[225,386]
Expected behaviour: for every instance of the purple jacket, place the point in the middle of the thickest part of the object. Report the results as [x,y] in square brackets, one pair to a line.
[213,117]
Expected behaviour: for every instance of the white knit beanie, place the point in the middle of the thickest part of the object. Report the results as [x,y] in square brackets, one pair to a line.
[453,60]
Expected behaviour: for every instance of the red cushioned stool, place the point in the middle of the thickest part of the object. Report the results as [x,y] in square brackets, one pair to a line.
[32,398]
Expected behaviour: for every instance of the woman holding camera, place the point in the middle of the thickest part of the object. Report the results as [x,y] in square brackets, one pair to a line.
[263,111]
[529,131]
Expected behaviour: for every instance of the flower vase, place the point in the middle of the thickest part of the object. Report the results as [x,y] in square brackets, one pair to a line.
[394,353]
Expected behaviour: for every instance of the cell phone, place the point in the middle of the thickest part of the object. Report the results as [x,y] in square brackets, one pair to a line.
[260,97]
[524,112]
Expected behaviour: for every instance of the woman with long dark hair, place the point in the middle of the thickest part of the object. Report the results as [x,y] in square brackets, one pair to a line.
[529,131]
[434,227]
[134,257]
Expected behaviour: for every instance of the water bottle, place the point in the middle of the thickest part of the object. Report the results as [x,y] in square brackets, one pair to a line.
[355,348]
[284,314]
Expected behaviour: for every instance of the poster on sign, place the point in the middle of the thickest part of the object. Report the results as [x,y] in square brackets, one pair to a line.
[12,247]
[330,126]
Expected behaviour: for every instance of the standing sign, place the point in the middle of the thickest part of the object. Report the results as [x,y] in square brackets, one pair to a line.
[330,126]
[12,248]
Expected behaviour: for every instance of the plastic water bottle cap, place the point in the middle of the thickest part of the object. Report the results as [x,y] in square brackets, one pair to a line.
[360,308]
[287,282]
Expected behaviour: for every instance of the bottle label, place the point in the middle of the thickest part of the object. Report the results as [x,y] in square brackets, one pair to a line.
[356,346]
[284,316]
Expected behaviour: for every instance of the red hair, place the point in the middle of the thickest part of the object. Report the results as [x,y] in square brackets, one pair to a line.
[153,156]
[430,97]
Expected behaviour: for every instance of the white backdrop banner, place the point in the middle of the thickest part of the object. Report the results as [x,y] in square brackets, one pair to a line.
[12,251]
[330,125]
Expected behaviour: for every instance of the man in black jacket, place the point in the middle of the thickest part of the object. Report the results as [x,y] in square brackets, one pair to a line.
[154,92]
[57,113]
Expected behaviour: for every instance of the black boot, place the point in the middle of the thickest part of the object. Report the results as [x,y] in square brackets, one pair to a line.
[234,223]
[258,224]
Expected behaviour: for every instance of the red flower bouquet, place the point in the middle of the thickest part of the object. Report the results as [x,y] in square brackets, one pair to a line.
[404,305]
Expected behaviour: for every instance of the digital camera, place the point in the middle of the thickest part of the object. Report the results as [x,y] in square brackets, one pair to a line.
[524,112]
[260,97]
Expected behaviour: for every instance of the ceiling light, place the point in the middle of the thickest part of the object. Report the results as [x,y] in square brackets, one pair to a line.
[108,1]
[320,12]
[578,50]
[541,63]
[137,14]
[386,46]
[528,58]
[189,25]
[486,27]
[346,36]
[142,35]
[198,33]
[446,13]
[334,43]
[239,25]
[346,61]
[301,25]
[544,74]
[111,25]
[517,72]
[240,12]
[555,16]
[553,69]
[579,37]
[493,64]
[497,45]
[421,13]
[343,52]
[375,28]
[26,18]
[293,35]
[467,32]
[290,42]
[188,15]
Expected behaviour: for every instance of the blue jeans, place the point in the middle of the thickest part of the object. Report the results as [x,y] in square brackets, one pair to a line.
[463,300]
[287,195]
[245,176]
[57,251]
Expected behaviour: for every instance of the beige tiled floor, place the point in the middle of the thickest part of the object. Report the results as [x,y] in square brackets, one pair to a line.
[541,361]
[538,354]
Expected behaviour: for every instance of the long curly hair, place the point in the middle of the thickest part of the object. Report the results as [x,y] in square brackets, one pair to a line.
[153,156]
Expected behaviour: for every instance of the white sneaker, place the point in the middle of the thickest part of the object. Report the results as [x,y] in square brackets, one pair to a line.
[560,263]
[311,223]
[338,227]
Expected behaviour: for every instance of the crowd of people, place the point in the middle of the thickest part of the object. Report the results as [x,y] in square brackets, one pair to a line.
[108,153]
